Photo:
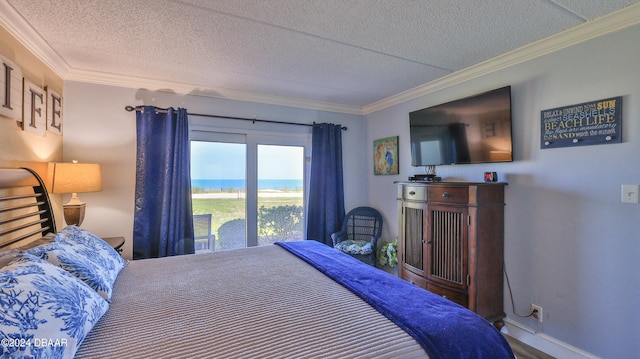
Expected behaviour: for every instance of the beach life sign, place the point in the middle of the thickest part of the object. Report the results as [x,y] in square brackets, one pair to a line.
[590,123]
[36,109]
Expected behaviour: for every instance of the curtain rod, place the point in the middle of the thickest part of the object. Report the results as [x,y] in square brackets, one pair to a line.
[254,120]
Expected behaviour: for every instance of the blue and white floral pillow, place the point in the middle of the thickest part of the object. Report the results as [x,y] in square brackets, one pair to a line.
[46,312]
[88,268]
[99,252]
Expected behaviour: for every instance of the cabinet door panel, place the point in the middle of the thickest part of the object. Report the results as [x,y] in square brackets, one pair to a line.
[447,245]
[413,229]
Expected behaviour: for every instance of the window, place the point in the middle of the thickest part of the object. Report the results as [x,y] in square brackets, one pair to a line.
[247,189]
[280,193]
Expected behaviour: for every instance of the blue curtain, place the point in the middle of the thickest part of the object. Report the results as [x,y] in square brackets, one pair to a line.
[163,222]
[326,191]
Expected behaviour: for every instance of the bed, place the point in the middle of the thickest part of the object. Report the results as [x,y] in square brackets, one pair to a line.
[288,300]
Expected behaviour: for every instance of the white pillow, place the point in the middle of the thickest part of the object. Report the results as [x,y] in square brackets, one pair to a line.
[46,312]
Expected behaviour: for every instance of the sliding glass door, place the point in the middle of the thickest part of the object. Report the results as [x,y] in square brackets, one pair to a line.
[280,193]
[247,190]
[218,189]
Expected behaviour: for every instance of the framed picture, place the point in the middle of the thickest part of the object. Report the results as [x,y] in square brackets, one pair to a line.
[385,156]
[588,123]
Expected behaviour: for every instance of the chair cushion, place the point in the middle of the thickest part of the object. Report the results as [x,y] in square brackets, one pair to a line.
[354,247]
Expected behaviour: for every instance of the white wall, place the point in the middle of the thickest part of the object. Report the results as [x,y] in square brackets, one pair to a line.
[570,245]
[99,130]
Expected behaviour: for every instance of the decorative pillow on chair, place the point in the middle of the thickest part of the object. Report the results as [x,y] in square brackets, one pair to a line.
[355,247]
[46,312]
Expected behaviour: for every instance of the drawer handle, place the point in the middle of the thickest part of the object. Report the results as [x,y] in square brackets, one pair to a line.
[412,193]
[445,194]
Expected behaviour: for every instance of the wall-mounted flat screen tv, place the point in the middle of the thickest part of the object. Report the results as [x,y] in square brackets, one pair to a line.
[475,129]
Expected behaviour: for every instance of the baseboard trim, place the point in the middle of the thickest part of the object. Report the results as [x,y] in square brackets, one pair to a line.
[543,342]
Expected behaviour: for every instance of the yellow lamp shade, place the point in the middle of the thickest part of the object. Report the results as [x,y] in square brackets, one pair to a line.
[74,178]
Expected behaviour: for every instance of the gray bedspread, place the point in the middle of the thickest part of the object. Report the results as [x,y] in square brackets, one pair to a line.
[260,302]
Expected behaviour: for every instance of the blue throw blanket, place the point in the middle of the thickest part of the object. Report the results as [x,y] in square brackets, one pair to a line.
[444,329]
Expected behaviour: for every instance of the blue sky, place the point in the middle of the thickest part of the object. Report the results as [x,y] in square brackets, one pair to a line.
[214,160]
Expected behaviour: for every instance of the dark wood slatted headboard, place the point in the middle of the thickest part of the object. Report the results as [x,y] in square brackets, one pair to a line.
[25,208]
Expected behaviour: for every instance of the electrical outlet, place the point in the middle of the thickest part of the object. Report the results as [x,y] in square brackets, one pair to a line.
[536,312]
[629,193]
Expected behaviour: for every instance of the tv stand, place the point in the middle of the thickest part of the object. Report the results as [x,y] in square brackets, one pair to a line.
[451,242]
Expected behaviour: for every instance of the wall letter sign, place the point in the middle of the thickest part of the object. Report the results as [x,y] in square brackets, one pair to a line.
[33,118]
[20,99]
[10,89]
[54,112]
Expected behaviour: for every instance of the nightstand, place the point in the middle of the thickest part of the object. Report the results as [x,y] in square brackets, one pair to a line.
[115,242]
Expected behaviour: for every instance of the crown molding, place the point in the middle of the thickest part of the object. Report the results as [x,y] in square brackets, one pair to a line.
[615,21]
[15,24]
[19,28]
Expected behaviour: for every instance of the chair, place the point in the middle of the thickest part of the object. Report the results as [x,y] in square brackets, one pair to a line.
[202,236]
[359,235]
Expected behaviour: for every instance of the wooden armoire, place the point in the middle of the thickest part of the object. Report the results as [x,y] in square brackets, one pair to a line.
[451,242]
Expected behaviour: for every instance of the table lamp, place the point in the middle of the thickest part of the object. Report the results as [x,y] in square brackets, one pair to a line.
[74,178]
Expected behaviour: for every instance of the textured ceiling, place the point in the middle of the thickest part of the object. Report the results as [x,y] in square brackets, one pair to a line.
[346,52]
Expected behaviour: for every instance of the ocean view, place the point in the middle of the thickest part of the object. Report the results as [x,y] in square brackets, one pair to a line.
[225,185]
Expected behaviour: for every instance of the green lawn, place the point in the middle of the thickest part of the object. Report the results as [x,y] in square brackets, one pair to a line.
[227,209]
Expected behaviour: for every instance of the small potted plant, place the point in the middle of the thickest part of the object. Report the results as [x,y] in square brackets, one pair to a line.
[388,253]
